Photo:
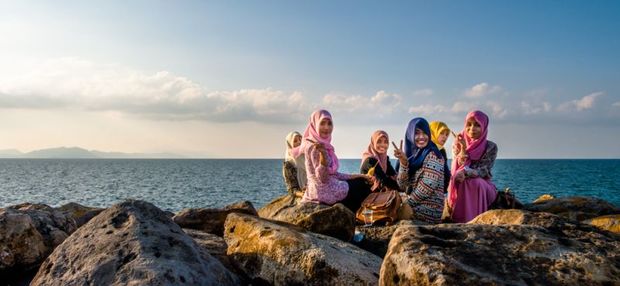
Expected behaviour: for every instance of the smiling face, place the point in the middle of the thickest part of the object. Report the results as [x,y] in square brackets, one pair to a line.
[296,141]
[382,145]
[473,129]
[443,137]
[421,139]
[325,128]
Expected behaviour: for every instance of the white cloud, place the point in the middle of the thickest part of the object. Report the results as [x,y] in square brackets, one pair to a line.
[497,109]
[616,104]
[77,84]
[381,103]
[481,90]
[427,109]
[584,103]
[535,108]
[461,106]
[423,92]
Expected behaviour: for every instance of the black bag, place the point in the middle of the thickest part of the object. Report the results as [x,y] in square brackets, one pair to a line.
[506,200]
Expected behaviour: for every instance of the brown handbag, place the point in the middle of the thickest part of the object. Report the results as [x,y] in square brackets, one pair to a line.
[379,208]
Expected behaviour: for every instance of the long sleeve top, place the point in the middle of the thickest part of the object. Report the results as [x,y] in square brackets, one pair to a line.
[482,168]
[289,172]
[387,178]
[323,187]
[425,189]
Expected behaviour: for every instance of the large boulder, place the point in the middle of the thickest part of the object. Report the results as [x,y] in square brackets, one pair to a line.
[211,220]
[28,234]
[335,221]
[608,222]
[574,208]
[478,254]
[81,214]
[215,246]
[276,253]
[520,217]
[376,238]
[131,243]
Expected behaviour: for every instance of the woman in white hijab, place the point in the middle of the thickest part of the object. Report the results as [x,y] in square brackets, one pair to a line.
[294,166]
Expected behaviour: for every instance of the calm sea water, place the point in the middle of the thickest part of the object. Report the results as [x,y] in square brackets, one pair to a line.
[176,184]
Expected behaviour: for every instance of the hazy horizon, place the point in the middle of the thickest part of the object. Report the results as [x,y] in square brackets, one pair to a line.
[222,79]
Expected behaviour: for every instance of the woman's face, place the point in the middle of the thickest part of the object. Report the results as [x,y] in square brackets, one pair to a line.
[296,141]
[325,128]
[382,145]
[473,129]
[421,139]
[443,137]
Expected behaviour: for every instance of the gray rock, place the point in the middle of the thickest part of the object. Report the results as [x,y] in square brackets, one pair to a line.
[277,254]
[131,243]
[335,221]
[211,220]
[507,254]
[574,208]
[81,214]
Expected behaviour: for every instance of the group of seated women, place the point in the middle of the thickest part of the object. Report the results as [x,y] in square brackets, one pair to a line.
[422,172]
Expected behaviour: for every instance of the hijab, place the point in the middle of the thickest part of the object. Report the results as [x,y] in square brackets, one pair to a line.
[297,158]
[475,148]
[436,128]
[371,151]
[416,155]
[312,133]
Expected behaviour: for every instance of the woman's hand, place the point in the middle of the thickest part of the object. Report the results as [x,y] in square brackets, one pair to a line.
[398,153]
[459,176]
[322,153]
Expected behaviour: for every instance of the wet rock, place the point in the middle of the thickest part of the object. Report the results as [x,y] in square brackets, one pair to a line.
[81,214]
[574,208]
[478,254]
[131,243]
[273,253]
[335,221]
[211,220]
[608,223]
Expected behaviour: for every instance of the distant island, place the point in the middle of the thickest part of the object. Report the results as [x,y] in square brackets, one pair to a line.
[81,153]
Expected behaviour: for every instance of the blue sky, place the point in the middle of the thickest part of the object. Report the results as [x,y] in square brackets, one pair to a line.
[200,77]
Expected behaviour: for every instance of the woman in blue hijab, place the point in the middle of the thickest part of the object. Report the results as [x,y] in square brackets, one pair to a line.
[421,168]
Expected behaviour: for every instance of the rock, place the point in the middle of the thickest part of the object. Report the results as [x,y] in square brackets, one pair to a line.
[520,217]
[608,222]
[377,238]
[211,220]
[213,245]
[574,208]
[131,243]
[476,254]
[28,234]
[335,221]
[81,214]
[543,198]
[276,254]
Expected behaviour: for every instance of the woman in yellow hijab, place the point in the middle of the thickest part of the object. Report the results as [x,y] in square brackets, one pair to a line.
[439,135]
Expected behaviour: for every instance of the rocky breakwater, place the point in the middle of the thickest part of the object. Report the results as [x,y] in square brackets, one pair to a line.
[131,243]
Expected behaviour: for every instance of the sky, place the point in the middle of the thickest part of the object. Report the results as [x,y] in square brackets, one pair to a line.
[230,79]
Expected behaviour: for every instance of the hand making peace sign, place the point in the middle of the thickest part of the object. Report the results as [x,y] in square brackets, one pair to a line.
[398,153]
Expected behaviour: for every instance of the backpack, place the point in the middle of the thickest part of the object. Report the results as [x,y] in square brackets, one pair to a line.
[379,208]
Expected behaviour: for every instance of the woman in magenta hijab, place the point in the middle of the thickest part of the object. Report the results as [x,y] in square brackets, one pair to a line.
[471,191]
[325,184]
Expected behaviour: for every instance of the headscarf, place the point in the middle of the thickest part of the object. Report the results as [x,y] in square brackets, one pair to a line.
[415,155]
[436,128]
[296,157]
[475,148]
[371,152]
[312,133]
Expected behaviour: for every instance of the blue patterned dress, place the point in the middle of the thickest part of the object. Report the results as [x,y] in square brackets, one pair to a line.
[425,189]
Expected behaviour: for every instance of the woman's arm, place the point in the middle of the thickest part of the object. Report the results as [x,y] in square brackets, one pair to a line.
[320,171]
[485,164]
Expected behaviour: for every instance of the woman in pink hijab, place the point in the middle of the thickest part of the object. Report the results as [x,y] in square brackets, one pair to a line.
[471,191]
[325,184]
[375,156]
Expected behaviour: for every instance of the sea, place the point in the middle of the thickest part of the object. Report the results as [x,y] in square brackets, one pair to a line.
[174,184]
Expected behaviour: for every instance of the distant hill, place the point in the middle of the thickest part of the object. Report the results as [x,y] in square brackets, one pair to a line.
[81,153]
